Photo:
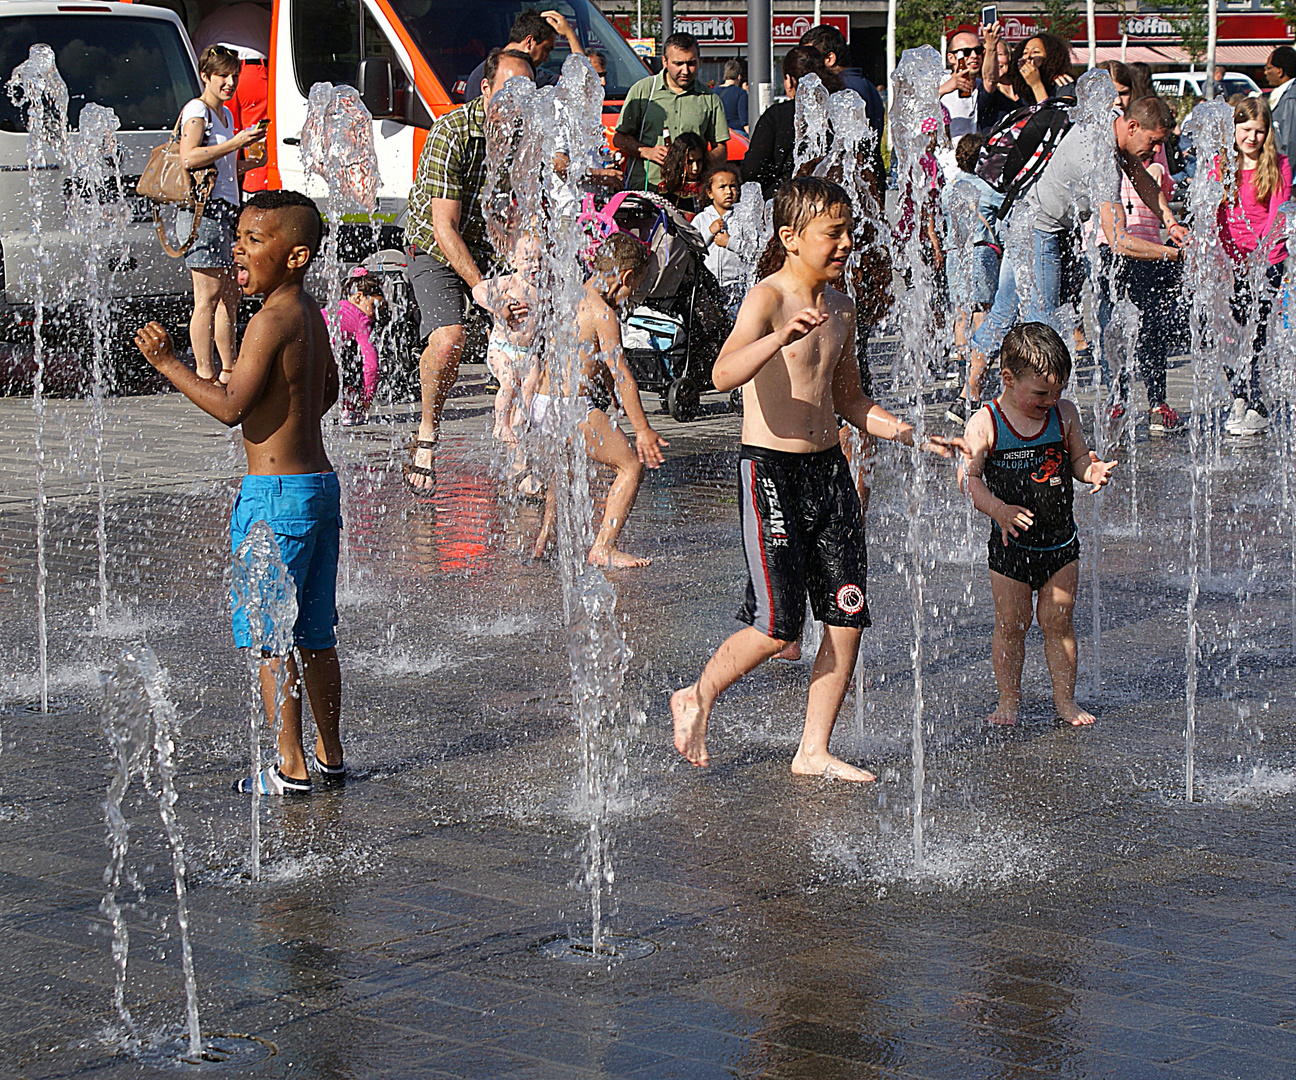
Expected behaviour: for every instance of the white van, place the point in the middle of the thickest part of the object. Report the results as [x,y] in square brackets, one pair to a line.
[1172,84]
[138,61]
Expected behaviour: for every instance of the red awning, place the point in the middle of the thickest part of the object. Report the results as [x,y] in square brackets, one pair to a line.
[1244,55]
[1144,53]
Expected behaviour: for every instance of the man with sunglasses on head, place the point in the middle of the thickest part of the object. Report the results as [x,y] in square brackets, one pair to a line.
[960,93]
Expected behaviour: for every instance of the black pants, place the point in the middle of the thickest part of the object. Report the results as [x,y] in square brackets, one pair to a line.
[1243,302]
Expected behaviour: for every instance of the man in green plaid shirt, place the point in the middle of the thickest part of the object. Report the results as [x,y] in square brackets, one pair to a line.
[448,248]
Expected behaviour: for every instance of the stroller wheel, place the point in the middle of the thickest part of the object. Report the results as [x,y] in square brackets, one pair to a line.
[682,399]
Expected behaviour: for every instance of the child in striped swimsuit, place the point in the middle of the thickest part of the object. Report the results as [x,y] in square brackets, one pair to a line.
[1023,482]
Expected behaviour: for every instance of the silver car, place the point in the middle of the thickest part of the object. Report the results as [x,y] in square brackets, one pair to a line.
[138,61]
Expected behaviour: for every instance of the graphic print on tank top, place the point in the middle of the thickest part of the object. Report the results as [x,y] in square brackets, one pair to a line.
[1035,473]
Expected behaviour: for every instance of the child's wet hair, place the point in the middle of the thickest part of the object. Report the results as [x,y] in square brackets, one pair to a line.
[303,210]
[620,252]
[1035,349]
[797,203]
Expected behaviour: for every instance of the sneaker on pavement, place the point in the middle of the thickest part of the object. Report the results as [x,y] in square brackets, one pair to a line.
[330,775]
[272,782]
[1163,420]
[1253,423]
[1233,423]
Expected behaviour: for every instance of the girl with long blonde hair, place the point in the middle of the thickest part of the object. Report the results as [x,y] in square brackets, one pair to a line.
[1252,228]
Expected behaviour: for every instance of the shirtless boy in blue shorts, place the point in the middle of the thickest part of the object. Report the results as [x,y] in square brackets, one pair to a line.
[283,383]
[792,350]
[1026,447]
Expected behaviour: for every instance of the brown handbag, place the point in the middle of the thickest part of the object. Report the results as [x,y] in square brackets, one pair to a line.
[166,181]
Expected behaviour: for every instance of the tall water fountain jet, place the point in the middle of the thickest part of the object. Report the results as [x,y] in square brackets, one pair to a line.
[1208,279]
[98,214]
[527,128]
[37,87]
[915,121]
[1091,118]
[265,591]
[848,161]
[337,151]
[810,122]
[141,725]
[1285,337]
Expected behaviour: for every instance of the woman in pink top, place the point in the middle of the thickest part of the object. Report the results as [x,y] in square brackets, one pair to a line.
[1252,229]
[355,317]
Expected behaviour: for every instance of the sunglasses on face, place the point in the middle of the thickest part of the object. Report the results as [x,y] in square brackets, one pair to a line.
[964,54]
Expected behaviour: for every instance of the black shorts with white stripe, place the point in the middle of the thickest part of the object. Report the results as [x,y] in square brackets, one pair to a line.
[802,533]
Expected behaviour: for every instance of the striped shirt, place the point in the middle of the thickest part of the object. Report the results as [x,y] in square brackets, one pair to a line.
[452,166]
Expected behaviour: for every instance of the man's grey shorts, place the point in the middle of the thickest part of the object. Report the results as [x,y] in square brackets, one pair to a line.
[439,291]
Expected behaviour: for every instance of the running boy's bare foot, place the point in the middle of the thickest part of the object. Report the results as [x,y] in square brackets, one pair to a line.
[1072,714]
[1006,714]
[828,766]
[690,726]
[790,651]
[615,559]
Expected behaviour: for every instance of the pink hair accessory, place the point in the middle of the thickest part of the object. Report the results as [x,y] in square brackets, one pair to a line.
[359,271]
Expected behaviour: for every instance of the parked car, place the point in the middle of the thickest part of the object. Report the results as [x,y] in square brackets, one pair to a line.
[138,61]
[1177,83]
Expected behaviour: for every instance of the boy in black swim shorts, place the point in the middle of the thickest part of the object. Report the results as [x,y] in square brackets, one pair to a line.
[1026,447]
[792,351]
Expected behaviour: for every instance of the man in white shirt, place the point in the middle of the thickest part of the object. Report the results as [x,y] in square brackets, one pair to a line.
[961,92]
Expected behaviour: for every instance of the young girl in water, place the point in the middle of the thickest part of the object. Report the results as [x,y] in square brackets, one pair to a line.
[1252,229]
[356,315]
[681,172]
[510,299]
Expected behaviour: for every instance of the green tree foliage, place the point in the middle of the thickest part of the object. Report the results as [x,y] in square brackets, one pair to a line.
[622,16]
[922,22]
[1192,19]
[1061,17]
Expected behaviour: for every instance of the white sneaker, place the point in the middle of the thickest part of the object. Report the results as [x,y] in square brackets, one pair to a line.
[1237,414]
[1253,424]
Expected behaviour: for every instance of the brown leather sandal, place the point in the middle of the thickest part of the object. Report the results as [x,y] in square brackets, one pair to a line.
[421,491]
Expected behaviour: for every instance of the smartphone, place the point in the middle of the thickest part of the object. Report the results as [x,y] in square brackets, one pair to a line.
[989,14]
[263,123]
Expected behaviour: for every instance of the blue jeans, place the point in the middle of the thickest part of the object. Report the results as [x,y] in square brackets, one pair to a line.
[1002,314]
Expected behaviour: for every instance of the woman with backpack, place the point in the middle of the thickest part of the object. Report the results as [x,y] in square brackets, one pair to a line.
[208,138]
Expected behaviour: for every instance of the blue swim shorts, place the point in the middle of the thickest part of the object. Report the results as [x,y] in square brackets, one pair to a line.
[305,512]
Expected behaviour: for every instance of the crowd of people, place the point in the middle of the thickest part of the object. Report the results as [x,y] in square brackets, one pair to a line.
[1098,205]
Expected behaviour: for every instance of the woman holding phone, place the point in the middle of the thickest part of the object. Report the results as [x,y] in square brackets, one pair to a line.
[207,138]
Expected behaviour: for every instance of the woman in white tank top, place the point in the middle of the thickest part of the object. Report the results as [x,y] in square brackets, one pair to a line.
[207,137]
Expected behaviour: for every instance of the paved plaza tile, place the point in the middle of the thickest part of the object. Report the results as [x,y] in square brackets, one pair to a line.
[1074,917]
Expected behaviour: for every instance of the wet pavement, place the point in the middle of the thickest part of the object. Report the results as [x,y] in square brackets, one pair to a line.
[1075,916]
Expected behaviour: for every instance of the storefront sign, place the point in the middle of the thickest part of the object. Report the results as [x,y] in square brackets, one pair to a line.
[1151,27]
[732,29]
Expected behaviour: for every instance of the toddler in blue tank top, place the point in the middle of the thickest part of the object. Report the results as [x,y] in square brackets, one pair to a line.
[1027,446]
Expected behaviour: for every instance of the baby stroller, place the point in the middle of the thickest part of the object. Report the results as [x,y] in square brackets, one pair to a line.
[397,336]
[676,322]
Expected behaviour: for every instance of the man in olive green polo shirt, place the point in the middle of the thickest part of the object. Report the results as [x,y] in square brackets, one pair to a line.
[670,101]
